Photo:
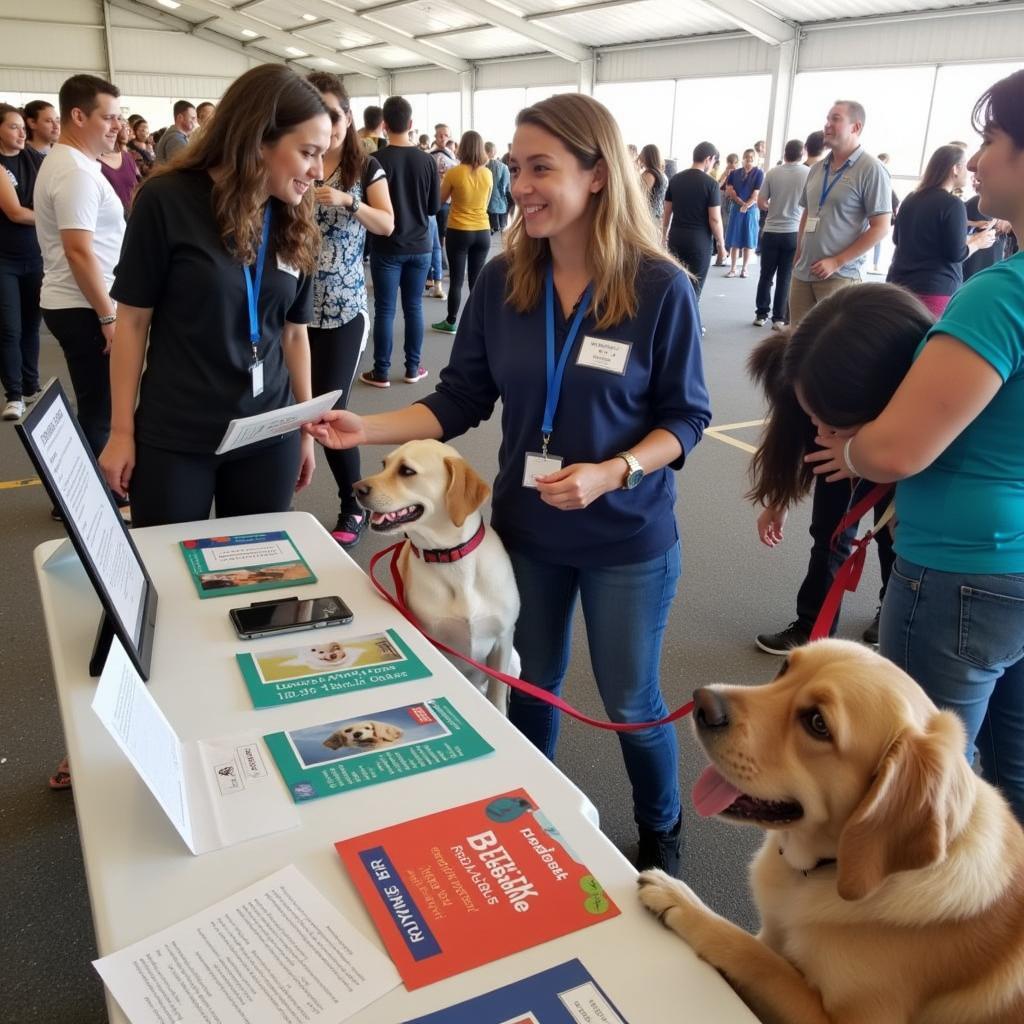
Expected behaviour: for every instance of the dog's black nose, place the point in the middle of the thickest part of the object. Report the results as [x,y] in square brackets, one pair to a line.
[711,711]
[362,489]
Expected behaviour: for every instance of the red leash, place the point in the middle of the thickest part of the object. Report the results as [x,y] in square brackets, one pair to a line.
[848,575]
[398,603]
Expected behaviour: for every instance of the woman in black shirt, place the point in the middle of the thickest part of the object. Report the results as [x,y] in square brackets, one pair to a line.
[233,215]
[930,232]
[21,266]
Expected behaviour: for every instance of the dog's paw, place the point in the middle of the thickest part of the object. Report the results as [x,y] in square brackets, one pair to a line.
[660,893]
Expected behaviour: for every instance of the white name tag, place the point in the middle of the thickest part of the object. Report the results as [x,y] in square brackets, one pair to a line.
[602,354]
[256,372]
[539,465]
[287,267]
[811,225]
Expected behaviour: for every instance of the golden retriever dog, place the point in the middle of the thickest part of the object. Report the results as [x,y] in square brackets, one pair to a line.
[367,735]
[457,574]
[891,880]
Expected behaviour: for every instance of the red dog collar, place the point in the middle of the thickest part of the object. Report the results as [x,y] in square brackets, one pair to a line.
[450,554]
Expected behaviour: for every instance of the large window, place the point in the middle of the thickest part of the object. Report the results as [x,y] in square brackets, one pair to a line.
[730,112]
[643,110]
[494,114]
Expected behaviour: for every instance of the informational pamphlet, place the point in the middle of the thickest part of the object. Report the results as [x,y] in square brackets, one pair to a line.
[338,756]
[328,668]
[216,792]
[275,953]
[497,868]
[565,994]
[265,425]
[245,563]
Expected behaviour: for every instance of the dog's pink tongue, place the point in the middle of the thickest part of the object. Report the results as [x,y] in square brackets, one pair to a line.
[712,793]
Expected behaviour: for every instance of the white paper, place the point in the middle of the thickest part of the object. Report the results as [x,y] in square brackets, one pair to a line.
[97,521]
[216,792]
[231,556]
[275,952]
[272,424]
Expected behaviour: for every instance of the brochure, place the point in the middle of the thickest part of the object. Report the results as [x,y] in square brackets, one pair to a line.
[351,753]
[216,792]
[565,994]
[264,425]
[497,868]
[328,668]
[244,564]
[277,952]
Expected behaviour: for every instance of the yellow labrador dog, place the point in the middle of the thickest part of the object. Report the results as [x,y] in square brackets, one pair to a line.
[457,575]
[891,880]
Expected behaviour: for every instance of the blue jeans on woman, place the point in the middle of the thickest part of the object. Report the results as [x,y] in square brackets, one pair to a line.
[625,608]
[961,637]
[20,281]
[405,272]
[436,271]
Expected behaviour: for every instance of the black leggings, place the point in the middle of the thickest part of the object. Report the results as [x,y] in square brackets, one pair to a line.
[334,354]
[463,246]
[178,487]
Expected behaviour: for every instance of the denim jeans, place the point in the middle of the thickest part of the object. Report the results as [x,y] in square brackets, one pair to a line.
[625,608]
[961,637]
[20,281]
[390,273]
[777,252]
[436,272]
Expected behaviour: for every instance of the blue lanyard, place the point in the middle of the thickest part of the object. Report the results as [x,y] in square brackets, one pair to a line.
[826,185]
[252,289]
[556,372]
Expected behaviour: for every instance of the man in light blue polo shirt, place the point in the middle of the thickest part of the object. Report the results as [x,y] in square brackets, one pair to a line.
[847,204]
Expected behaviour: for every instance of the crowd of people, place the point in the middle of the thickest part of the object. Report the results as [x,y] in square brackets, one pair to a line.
[259,218]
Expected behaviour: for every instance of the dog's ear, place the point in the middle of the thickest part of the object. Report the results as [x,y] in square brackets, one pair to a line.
[466,490]
[388,732]
[902,824]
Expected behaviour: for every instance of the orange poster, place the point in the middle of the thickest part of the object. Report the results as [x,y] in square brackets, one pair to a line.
[460,888]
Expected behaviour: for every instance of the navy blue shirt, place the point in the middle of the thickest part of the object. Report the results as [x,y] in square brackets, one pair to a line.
[930,235]
[499,353]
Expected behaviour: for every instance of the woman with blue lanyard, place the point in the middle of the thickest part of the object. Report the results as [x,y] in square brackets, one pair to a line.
[590,337]
[741,188]
[953,615]
[216,269]
[352,199]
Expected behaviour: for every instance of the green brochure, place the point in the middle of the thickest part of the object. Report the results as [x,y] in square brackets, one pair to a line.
[328,668]
[245,563]
[351,753]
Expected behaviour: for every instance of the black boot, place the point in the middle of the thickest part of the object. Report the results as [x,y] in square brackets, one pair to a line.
[660,849]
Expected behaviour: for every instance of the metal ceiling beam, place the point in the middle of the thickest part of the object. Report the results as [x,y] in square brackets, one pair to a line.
[543,37]
[753,19]
[601,5]
[349,18]
[232,16]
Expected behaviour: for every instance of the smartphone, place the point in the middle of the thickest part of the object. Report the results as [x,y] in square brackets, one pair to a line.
[291,615]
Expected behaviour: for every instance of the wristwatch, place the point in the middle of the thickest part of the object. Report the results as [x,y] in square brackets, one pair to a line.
[356,203]
[636,471]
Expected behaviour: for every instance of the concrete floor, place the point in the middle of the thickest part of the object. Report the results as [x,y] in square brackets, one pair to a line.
[732,588]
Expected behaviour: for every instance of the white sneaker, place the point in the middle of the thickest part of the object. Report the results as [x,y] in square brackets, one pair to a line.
[29,399]
[760,321]
[437,292]
[778,325]
[14,409]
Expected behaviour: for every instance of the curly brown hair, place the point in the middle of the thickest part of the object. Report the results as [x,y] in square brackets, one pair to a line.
[259,108]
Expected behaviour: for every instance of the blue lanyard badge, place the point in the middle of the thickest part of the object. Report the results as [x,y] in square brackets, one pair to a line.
[826,185]
[252,291]
[555,372]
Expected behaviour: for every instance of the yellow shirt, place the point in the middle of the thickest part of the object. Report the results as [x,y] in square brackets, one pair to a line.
[471,190]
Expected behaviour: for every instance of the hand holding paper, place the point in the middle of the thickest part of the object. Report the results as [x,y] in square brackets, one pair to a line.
[276,422]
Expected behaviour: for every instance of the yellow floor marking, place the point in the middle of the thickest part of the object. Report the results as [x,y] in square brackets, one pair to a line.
[9,485]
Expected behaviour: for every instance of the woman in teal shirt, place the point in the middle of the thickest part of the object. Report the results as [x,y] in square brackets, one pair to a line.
[952,436]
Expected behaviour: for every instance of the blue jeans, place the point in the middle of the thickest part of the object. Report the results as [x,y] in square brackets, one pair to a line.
[625,608]
[961,637]
[20,281]
[436,272]
[406,272]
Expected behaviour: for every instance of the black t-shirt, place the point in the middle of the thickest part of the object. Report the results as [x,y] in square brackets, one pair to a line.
[930,238]
[197,367]
[415,195]
[982,259]
[18,241]
[692,193]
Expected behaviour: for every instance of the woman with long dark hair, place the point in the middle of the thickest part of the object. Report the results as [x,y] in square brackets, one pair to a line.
[352,199]
[42,122]
[654,180]
[217,271]
[468,236]
[953,616]
[930,232]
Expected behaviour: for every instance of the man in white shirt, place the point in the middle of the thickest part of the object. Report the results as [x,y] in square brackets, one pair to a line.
[80,224]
